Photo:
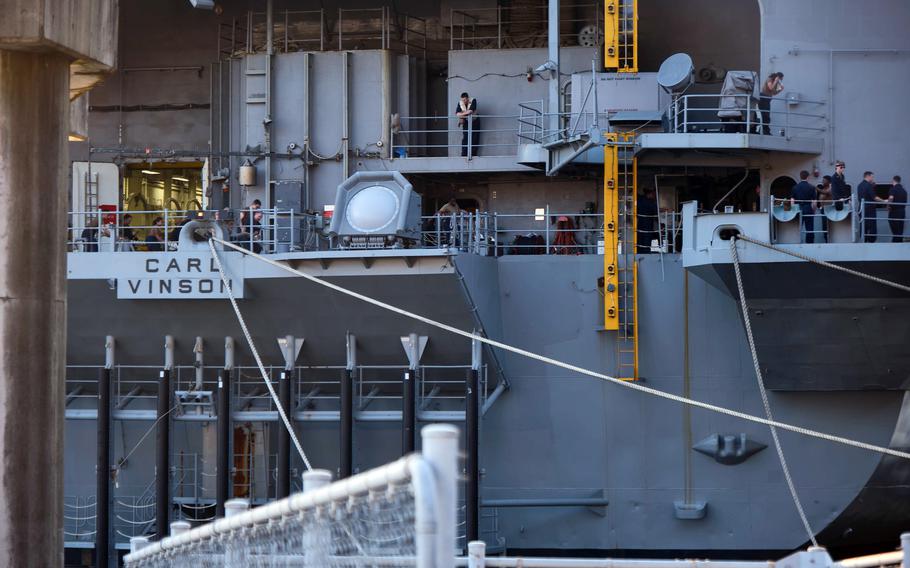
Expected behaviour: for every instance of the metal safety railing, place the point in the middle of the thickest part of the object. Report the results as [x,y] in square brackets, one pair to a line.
[261,230]
[429,136]
[535,125]
[882,222]
[79,518]
[320,30]
[870,222]
[746,114]
[524,25]
[498,234]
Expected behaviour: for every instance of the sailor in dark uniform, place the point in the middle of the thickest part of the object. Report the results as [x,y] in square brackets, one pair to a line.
[840,191]
[897,209]
[865,194]
[804,195]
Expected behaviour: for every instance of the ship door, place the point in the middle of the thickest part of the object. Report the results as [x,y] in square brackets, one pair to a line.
[150,188]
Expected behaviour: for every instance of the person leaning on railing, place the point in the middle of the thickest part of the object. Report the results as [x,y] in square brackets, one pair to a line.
[466,111]
[154,239]
[127,237]
[823,199]
[772,87]
[90,235]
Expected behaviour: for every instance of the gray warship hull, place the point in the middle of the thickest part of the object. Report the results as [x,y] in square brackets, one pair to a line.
[552,435]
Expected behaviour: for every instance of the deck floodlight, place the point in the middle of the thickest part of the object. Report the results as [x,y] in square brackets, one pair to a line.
[376,210]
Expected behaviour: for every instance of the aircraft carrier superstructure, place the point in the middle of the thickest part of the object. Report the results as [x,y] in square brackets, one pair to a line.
[584,111]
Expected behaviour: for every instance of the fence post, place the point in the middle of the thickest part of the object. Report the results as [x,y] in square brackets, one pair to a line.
[685,114]
[546,224]
[470,141]
[477,554]
[440,449]
[749,114]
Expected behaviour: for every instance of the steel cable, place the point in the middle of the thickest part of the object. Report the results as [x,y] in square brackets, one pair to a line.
[764,395]
[833,266]
[574,368]
[249,340]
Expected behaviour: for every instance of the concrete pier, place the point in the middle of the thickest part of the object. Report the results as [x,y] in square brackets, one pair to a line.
[34,111]
[39,41]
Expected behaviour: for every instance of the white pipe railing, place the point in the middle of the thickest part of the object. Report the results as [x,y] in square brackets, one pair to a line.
[432,475]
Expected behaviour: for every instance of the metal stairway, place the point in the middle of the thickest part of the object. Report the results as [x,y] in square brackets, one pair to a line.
[620,266]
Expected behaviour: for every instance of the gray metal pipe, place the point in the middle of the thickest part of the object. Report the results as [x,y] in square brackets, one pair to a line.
[553,56]
[163,456]
[345,115]
[346,459]
[34,121]
[223,451]
[554,502]
[284,437]
[267,125]
[103,471]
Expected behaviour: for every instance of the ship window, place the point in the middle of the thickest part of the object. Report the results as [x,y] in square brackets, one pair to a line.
[782,187]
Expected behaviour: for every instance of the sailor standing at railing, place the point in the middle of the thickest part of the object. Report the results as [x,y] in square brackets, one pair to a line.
[804,195]
[824,200]
[897,206]
[840,191]
[772,87]
[865,194]
[466,111]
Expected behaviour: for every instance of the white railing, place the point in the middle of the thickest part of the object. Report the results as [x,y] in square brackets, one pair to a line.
[711,113]
[262,230]
[440,136]
[400,514]
[872,225]
[871,222]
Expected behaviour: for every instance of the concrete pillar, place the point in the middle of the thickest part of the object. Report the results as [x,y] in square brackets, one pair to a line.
[34,122]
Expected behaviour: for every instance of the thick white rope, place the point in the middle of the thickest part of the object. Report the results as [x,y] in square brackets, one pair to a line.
[801,256]
[764,395]
[574,368]
[249,340]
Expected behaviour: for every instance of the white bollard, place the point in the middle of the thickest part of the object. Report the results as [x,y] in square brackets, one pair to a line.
[137,543]
[179,527]
[235,506]
[317,541]
[477,554]
[440,450]
[316,478]
[231,508]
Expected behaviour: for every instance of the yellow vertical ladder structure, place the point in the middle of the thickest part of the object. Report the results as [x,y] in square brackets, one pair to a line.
[620,266]
[621,36]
